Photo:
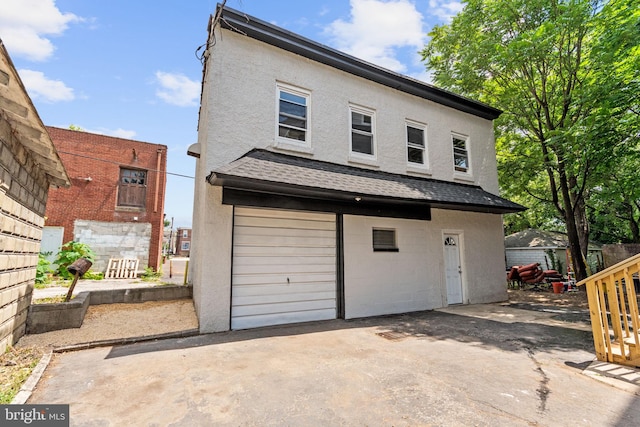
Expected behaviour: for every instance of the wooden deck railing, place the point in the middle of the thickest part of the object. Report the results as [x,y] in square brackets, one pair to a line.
[613,306]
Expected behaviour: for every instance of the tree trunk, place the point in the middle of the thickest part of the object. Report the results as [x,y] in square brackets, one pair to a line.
[579,267]
[582,226]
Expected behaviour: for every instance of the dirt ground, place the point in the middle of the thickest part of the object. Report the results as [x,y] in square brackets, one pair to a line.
[110,321]
[576,299]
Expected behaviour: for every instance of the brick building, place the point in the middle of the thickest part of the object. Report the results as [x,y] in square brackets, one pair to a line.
[183,241]
[29,165]
[116,200]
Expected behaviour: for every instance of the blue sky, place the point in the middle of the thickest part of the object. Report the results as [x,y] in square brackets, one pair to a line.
[128,68]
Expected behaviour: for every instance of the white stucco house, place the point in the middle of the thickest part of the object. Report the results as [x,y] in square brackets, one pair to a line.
[327,187]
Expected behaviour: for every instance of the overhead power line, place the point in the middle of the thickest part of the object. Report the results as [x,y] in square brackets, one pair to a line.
[122,164]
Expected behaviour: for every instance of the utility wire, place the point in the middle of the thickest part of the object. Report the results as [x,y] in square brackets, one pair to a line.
[122,164]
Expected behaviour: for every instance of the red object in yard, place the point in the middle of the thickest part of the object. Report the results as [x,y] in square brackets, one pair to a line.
[558,287]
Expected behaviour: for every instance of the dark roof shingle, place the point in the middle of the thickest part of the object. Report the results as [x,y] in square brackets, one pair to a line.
[295,175]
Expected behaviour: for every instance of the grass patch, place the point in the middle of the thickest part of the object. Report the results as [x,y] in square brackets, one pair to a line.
[50,300]
[16,364]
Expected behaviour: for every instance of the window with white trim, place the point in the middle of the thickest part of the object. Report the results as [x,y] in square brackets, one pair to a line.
[293,114]
[416,144]
[460,153]
[384,240]
[363,126]
[185,246]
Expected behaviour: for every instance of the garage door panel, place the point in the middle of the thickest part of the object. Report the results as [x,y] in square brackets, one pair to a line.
[262,231]
[287,241]
[282,223]
[283,318]
[249,250]
[284,267]
[263,279]
[281,288]
[267,259]
[282,307]
[292,297]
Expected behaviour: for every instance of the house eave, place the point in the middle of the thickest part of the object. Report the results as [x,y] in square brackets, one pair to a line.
[285,189]
[257,29]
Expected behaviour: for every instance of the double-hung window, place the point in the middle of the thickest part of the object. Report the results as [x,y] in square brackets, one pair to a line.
[293,114]
[416,145]
[460,153]
[363,125]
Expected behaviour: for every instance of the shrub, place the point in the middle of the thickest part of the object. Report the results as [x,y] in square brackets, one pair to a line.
[70,253]
[43,270]
[150,274]
[93,275]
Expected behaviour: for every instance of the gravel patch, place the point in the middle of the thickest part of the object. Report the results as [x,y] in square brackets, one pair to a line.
[112,321]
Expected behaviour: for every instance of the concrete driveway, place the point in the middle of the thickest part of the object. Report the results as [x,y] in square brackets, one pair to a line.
[476,365]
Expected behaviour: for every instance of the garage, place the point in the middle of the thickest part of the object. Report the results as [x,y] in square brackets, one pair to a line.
[284,267]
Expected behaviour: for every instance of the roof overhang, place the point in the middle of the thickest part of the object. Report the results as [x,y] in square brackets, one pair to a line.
[268,172]
[19,112]
[265,32]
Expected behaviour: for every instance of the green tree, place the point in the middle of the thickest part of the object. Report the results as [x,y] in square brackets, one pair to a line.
[544,63]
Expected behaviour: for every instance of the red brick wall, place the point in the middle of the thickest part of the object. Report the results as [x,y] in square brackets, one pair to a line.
[100,157]
[180,238]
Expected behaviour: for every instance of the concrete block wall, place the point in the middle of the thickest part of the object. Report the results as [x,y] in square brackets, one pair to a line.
[114,240]
[23,195]
[99,157]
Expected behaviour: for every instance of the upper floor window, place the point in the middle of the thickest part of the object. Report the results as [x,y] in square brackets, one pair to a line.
[132,188]
[185,233]
[460,153]
[362,131]
[416,146]
[293,114]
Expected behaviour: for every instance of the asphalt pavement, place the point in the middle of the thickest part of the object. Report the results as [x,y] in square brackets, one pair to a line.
[483,365]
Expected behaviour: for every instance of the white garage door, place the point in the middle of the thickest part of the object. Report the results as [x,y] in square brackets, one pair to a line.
[284,267]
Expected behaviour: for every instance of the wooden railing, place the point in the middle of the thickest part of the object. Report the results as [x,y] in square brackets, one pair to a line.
[613,306]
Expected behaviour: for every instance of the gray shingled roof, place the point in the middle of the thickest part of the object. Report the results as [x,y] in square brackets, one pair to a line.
[293,175]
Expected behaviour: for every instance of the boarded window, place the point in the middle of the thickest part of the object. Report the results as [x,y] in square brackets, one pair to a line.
[132,188]
[384,240]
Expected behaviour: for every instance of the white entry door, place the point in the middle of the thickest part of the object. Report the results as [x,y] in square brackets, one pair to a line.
[284,267]
[453,269]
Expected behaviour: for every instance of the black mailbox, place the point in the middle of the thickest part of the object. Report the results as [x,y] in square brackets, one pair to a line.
[80,267]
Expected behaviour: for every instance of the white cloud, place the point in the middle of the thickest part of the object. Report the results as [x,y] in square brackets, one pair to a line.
[177,89]
[25,25]
[377,28]
[120,133]
[445,10]
[47,90]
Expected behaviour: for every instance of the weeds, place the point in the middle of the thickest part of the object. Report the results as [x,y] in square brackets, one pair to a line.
[16,364]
